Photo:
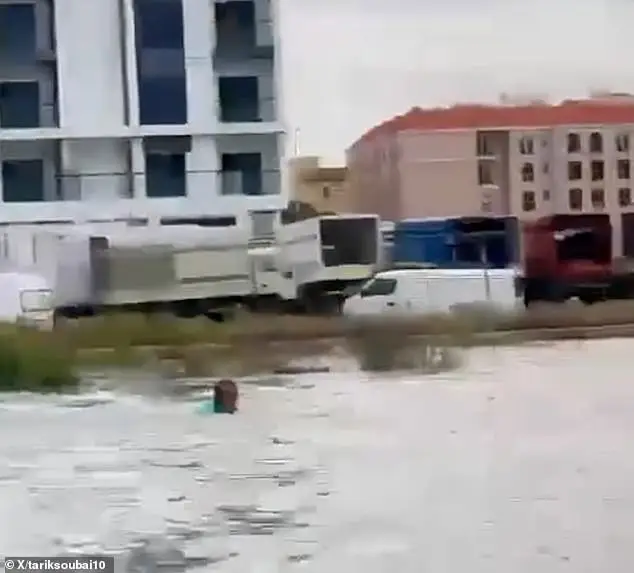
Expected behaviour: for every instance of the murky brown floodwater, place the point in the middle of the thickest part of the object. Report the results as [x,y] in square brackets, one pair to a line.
[523,461]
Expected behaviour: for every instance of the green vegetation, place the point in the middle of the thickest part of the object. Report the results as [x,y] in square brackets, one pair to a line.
[46,362]
[33,361]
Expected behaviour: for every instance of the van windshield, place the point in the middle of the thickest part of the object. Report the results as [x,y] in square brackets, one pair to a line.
[36,300]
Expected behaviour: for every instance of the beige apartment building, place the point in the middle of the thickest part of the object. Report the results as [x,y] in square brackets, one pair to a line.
[525,160]
[325,188]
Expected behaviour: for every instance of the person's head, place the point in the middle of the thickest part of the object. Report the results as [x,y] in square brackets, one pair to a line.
[226,397]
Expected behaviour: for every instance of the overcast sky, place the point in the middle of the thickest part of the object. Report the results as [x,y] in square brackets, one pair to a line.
[348,64]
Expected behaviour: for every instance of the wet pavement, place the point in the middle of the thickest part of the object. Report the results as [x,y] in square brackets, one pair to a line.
[521,461]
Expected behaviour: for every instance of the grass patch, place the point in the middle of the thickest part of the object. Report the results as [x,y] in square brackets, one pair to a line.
[382,347]
[35,361]
[44,362]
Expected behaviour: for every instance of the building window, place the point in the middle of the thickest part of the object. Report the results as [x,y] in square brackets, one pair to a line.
[623,168]
[163,101]
[625,197]
[575,199]
[528,173]
[596,142]
[160,59]
[23,181]
[597,198]
[622,142]
[242,174]
[235,24]
[17,32]
[19,105]
[485,173]
[546,168]
[597,170]
[527,146]
[483,145]
[546,194]
[528,201]
[159,24]
[574,143]
[575,170]
[239,99]
[165,175]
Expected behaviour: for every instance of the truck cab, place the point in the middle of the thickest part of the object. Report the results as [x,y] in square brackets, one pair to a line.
[568,256]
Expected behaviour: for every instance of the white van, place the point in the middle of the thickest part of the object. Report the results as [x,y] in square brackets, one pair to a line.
[26,298]
[432,291]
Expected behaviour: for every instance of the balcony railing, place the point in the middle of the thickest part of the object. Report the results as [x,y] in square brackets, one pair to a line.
[242,44]
[254,183]
[261,110]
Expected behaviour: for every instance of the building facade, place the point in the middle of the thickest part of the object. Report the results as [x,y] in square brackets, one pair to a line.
[112,108]
[525,160]
[324,188]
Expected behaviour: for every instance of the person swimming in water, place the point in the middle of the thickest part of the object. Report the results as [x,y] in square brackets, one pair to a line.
[225,400]
[225,397]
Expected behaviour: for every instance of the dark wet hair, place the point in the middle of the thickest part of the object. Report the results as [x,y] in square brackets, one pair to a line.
[225,396]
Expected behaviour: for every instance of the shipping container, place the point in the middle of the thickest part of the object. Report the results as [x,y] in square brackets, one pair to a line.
[464,242]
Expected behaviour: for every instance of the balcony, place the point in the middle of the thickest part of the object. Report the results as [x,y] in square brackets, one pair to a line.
[238,50]
[242,34]
[245,107]
[250,183]
[27,37]
[242,107]
[93,186]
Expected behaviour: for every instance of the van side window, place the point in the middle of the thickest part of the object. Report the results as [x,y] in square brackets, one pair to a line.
[379,287]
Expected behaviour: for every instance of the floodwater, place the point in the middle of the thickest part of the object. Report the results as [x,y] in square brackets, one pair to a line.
[521,461]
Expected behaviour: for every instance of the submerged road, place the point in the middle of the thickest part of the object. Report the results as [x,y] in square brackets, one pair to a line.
[522,460]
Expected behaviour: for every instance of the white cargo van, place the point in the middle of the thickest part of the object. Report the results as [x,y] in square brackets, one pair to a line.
[26,298]
[430,291]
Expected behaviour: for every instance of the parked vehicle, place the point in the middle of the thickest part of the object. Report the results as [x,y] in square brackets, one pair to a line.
[568,256]
[26,298]
[407,292]
[465,242]
[186,270]
[322,257]
[192,270]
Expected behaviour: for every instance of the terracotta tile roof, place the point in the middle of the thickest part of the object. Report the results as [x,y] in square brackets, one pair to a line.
[473,116]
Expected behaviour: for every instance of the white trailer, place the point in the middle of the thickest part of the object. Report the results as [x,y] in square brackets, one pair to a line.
[188,270]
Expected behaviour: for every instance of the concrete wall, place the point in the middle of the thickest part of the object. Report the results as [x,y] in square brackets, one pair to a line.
[438,174]
[89,54]
[316,185]
[374,177]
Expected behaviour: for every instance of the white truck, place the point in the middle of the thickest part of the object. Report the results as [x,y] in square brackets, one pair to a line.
[322,258]
[191,270]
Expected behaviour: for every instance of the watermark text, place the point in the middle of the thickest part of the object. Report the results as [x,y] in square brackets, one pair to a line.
[70,564]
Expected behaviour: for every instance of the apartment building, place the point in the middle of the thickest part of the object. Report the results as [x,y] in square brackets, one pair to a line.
[528,160]
[118,108]
[325,188]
